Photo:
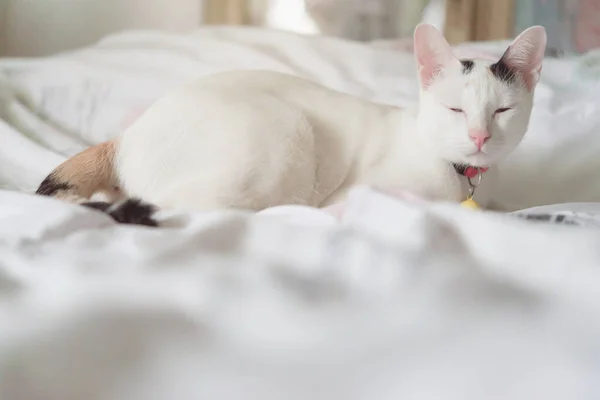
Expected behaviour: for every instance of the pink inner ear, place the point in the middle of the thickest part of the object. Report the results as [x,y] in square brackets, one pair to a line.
[426,74]
[429,62]
[528,70]
[433,53]
[428,66]
[525,55]
[530,79]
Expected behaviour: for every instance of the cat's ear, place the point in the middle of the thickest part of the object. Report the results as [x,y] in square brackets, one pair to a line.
[433,53]
[525,55]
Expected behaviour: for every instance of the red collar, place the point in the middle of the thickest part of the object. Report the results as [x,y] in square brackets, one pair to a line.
[468,170]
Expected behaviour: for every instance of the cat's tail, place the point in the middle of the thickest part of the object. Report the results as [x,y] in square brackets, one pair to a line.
[93,171]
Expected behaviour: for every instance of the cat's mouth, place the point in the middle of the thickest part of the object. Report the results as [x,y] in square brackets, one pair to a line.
[478,158]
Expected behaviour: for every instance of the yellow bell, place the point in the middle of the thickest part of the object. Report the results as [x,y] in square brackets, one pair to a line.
[470,203]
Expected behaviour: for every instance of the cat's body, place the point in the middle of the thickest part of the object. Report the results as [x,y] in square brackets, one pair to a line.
[255,139]
[263,139]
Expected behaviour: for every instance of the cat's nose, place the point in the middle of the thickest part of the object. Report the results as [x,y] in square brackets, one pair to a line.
[479,137]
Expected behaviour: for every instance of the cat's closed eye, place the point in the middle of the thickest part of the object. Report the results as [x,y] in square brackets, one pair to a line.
[501,110]
[456,110]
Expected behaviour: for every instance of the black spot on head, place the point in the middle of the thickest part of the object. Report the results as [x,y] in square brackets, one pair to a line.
[502,72]
[467,66]
[130,211]
[51,186]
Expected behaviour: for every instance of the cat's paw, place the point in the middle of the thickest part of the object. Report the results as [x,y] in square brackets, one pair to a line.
[130,211]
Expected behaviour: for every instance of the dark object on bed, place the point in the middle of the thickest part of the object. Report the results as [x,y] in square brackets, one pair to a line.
[130,211]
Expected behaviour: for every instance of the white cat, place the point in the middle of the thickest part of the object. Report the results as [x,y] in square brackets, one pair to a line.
[256,139]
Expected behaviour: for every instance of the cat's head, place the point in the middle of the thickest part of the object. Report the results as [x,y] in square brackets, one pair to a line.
[475,111]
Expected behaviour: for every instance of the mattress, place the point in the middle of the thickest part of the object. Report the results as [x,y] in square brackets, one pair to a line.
[393,297]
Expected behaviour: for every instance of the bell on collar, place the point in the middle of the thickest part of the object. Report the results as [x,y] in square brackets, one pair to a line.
[470,203]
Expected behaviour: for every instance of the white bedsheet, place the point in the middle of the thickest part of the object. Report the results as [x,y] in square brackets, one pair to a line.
[398,300]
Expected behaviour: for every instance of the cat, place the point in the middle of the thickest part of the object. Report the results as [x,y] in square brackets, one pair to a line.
[256,139]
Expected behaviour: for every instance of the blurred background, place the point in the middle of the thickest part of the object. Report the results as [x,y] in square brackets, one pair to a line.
[42,27]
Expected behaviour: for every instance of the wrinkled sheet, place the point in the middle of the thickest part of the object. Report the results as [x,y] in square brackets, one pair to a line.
[391,298]
[395,300]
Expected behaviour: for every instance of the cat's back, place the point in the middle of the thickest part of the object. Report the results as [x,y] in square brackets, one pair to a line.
[253,94]
[297,90]
[284,139]
[240,80]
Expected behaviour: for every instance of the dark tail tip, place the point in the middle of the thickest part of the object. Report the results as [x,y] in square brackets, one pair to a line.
[50,186]
[130,211]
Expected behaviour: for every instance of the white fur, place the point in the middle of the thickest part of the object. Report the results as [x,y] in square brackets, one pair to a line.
[254,139]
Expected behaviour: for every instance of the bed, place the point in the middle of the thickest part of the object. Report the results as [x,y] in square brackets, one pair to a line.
[393,298]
